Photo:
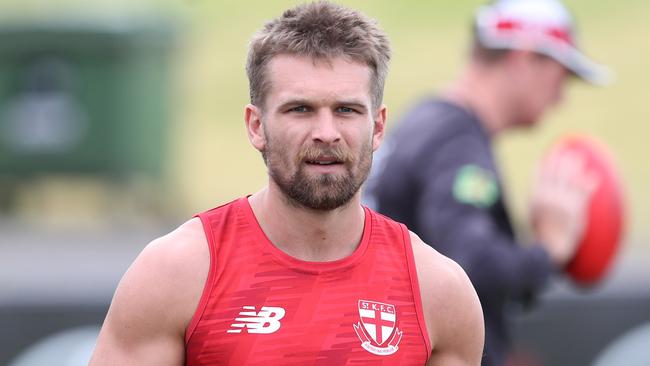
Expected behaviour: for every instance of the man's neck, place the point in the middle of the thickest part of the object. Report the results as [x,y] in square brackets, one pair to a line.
[308,234]
[480,92]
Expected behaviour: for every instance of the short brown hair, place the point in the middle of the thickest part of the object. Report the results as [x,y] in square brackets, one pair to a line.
[321,30]
[487,55]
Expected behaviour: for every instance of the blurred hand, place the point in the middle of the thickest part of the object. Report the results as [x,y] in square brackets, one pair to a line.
[559,204]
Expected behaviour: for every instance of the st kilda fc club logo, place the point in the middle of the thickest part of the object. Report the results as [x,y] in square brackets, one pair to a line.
[376,330]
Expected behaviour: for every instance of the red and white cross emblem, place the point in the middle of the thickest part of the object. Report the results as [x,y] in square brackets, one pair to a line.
[377,327]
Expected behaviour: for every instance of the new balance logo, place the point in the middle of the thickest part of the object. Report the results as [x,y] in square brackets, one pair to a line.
[266,321]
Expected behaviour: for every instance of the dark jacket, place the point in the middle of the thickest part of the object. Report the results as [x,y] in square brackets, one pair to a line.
[437,174]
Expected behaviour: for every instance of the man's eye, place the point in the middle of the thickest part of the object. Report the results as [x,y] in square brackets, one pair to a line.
[346,110]
[299,109]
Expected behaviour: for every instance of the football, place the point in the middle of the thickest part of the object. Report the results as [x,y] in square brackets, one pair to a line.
[606,212]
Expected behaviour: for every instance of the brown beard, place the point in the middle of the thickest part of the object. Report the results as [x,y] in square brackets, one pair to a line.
[326,191]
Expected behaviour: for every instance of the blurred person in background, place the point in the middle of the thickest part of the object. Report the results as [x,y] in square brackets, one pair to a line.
[299,272]
[437,173]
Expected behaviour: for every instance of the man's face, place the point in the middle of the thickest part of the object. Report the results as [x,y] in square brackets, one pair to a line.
[543,89]
[318,129]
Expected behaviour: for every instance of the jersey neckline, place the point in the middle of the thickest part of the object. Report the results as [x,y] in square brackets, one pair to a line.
[313,267]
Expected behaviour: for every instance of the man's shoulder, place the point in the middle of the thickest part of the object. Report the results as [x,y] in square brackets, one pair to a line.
[430,125]
[451,306]
[170,272]
[436,272]
[446,290]
[181,244]
[180,256]
[159,293]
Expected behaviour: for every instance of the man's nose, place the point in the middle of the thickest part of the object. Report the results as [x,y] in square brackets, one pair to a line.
[325,128]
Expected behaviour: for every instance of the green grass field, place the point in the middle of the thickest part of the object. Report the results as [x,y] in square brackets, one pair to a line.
[212,161]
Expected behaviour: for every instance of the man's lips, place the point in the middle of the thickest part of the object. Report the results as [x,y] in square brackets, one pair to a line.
[324,160]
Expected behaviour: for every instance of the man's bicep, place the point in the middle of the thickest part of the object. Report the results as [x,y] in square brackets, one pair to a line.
[451,307]
[137,329]
[462,331]
[119,345]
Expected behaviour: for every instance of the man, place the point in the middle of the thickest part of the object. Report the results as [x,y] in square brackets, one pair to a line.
[299,273]
[437,173]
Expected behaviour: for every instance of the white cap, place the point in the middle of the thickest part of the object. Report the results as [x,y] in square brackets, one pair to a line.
[543,26]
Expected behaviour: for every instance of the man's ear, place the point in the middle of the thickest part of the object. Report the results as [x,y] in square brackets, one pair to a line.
[379,121]
[254,128]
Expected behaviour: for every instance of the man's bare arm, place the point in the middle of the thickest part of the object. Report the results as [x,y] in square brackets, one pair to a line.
[452,309]
[155,301]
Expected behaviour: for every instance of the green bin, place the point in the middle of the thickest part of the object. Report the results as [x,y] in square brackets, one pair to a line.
[84,97]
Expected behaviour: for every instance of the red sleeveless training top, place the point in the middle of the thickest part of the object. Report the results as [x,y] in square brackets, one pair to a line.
[261,306]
